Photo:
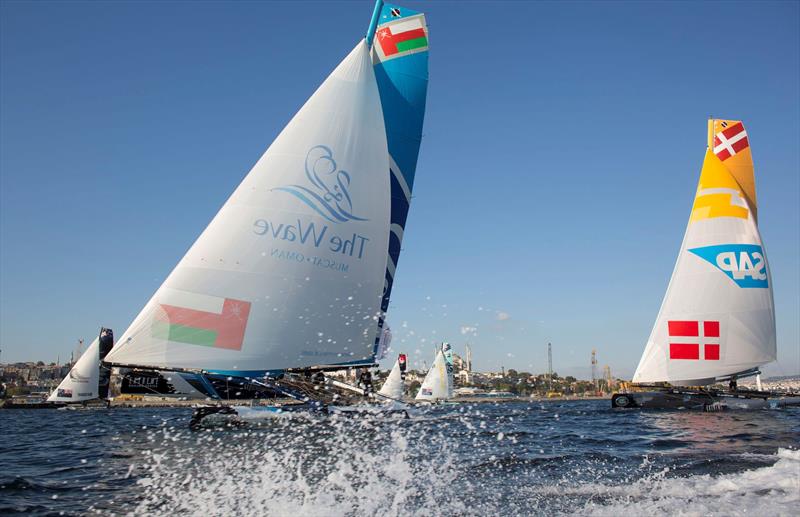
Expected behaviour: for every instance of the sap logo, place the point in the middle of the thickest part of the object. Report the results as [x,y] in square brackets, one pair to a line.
[743,263]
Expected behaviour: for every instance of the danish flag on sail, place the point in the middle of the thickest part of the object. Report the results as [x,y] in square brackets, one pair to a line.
[691,329]
[730,141]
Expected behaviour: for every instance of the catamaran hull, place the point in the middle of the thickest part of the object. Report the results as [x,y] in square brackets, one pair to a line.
[699,400]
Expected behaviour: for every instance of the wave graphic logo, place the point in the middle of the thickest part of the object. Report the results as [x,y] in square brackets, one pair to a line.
[328,194]
[743,263]
[75,376]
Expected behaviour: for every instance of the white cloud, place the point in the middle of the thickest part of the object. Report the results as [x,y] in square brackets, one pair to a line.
[502,316]
[469,330]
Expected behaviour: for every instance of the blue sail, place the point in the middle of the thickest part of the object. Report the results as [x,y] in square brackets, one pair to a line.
[400,57]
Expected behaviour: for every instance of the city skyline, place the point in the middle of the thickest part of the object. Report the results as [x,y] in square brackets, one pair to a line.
[560,157]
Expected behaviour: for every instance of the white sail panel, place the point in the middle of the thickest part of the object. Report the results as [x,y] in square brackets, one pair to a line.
[437,383]
[82,381]
[290,271]
[717,318]
[393,386]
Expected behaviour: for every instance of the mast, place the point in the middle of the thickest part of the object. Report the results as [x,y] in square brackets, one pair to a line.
[549,367]
[373,23]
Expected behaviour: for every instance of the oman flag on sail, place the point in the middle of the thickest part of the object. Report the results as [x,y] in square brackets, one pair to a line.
[199,319]
[402,36]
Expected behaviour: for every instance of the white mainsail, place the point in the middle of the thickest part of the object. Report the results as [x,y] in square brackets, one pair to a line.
[717,318]
[437,384]
[82,381]
[290,272]
[393,387]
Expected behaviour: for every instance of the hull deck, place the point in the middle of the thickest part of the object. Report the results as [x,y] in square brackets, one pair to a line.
[677,398]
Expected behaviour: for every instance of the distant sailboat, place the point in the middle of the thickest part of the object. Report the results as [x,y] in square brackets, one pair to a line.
[87,380]
[394,386]
[438,383]
[296,269]
[717,320]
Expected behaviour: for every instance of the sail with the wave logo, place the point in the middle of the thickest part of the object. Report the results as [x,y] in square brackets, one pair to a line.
[292,271]
[717,320]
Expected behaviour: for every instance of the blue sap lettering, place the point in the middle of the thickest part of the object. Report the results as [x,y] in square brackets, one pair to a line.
[727,261]
[745,266]
[759,269]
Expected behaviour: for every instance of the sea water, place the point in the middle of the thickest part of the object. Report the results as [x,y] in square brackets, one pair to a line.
[545,458]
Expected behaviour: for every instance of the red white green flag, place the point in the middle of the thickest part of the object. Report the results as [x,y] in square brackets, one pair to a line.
[402,36]
[202,320]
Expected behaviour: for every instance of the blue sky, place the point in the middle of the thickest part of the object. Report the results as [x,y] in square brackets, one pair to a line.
[562,147]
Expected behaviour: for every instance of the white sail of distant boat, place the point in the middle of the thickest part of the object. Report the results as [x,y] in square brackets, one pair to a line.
[717,320]
[296,269]
[82,382]
[437,384]
[394,387]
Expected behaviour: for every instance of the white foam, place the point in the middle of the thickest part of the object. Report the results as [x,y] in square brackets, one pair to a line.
[342,466]
[766,491]
[347,469]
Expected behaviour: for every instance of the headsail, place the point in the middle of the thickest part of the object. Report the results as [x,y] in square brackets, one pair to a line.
[393,387]
[437,384]
[400,55]
[82,381]
[717,318]
[290,272]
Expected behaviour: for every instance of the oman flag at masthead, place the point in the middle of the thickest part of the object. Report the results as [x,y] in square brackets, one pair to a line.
[402,36]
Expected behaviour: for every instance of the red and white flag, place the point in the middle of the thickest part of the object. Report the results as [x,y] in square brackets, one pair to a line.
[685,340]
[730,141]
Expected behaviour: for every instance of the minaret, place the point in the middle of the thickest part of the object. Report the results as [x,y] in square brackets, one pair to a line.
[607,376]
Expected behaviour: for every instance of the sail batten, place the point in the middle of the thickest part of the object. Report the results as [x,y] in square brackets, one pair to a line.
[717,318]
